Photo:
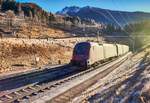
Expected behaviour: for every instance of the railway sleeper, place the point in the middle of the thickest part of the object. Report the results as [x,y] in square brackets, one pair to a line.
[4,98]
[66,80]
[32,88]
[24,90]
[47,88]
[19,98]
[59,83]
[8,96]
[16,93]
[52,86]
[13,95]
[62,82]
[40,91]
[37,86]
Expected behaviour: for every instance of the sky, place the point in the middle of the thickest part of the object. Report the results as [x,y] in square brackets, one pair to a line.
[123,5]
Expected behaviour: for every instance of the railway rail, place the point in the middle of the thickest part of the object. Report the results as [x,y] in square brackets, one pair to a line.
[36,91]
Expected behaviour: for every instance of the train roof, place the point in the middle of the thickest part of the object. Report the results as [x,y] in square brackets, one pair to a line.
[90,43]
[95,43]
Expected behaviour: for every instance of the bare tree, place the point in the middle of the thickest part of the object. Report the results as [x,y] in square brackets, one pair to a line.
[10,18]
[31,15]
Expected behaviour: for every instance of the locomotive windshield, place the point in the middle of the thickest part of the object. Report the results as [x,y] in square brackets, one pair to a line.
[82,48]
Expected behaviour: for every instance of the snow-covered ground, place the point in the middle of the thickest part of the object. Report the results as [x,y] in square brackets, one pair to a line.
[129,83]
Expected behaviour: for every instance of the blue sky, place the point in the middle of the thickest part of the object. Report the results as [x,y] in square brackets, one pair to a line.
[123,5]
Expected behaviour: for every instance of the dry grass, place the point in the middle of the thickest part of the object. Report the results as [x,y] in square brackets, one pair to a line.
[14,54]
[27,31]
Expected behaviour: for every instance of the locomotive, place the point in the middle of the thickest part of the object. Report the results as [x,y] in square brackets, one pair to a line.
[86,54]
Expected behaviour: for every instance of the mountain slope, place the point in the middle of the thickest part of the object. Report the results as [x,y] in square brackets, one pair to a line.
[106,16]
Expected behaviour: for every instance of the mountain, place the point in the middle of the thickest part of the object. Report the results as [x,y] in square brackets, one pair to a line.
[104,15]
[66,10]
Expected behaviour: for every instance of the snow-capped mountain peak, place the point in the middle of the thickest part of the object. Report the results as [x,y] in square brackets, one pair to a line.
[66,10]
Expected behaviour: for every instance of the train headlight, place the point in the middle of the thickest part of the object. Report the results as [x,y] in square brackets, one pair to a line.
[88,62]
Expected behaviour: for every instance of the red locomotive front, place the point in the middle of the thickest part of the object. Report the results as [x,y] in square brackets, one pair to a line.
[81,54]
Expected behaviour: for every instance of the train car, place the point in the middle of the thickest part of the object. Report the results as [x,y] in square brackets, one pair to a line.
[125,49]
[96,53]
[110,50]
[87,53]
[119,50]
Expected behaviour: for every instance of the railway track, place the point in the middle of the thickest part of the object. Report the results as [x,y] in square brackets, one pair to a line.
[40,69]
[35,91]
[76,90]
[83,98]
[12,83]
[13,96]
[95,89]
[63,93]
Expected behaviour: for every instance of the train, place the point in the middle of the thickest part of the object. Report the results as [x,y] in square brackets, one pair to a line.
[87,54]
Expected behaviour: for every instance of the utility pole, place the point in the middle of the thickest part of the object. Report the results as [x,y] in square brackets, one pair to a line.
[132,39]
[98,37]
[134,44]
[84,29]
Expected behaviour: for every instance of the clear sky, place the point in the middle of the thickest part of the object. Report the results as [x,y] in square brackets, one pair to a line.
[123,5]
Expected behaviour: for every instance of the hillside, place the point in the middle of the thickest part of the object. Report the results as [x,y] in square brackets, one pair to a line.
[17,54]
[28,20]
[104,15]
[24,9]
[42,32]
